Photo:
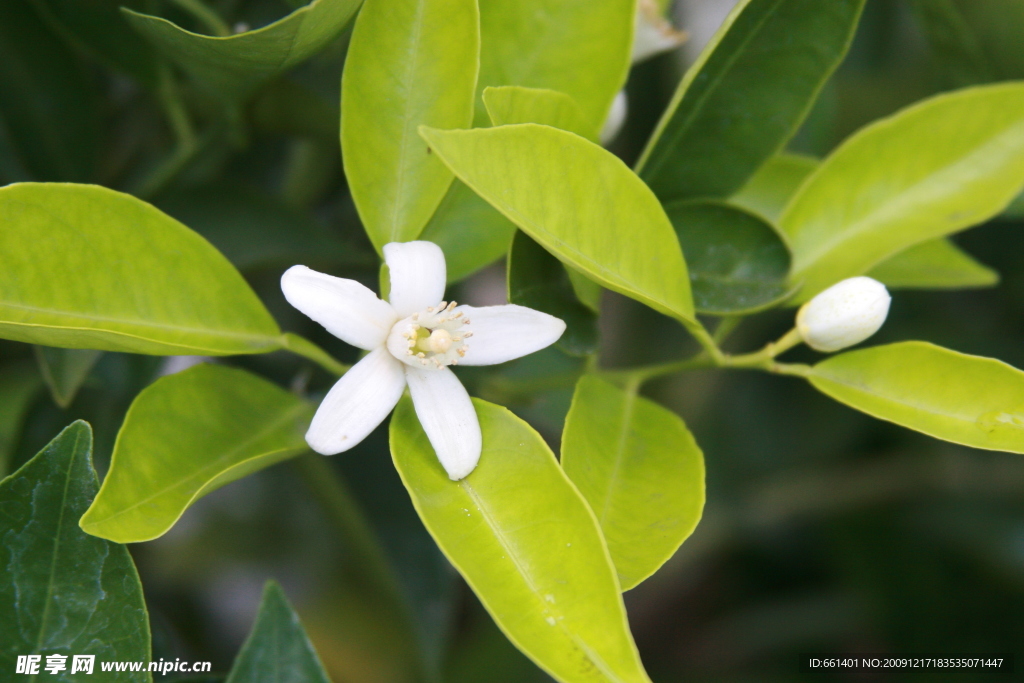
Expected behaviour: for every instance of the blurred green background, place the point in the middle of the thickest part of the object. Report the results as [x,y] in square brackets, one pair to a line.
[825,530]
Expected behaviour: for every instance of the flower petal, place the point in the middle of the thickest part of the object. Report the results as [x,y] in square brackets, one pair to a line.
[357,403]
[349,311]
[501,333]
[448,417]
[417,275]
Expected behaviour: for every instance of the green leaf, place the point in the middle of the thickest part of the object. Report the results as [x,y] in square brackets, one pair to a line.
[770,189]
[537,280]
[526,542]
[1016,208]
[470,232]
[942,165]
[277,649]
[189,434]
[65,370]
[234,66]
[19,383]
[746,95]
[409,64]
[65,592]
[513,104]
[87,267]
[580,202]
[953,41]
[641,471]
[254,230]
[935,264]
[577,47]
[969,400]
[41,80]
[737,262]
[98,27]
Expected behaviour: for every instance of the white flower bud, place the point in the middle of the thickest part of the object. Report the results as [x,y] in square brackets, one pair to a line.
[845,314]
[616,117]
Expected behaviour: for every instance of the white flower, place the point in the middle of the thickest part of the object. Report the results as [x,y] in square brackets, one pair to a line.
[653,34]
[845,314]
[412,340]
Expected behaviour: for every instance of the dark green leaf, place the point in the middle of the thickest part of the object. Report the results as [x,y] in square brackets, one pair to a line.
[746,95]
[277,649]
[65,370]
[41,81]
[737,262]
[953,41]
[65,592]
[19,382]
[537,280]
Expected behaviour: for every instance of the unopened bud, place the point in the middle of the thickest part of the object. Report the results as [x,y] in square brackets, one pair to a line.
[845,314]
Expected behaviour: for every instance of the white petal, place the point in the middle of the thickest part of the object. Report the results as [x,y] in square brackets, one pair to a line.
[417,275]
[448,417]
[501,333]
[616,117]
[357,403]
[348,310]
[654,34]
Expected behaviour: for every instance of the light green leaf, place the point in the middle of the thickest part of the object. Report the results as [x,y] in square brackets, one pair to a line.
[470,232]
[942,165]
[98,27]
[65,370]
[770,189]
[580,202]
[537,280]
[234,66]
[577,47]
[41,80]
[65,592]
[969,400]
[19,383]
[187,435]
[409,64]
[641,471]
[87,267]
[513,104]
[737,261]
[935,264]
[277,649]
[526,542]
[746,95]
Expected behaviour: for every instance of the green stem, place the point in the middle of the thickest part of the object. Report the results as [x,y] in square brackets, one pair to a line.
[726,327]
[205,16]
[301,346]
[704,338]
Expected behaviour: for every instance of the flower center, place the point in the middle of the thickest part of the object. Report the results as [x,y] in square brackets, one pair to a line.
[435,337]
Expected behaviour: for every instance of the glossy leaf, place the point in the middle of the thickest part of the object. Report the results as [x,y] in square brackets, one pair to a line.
[65,370]
[277,649]
[935,264]
[471,232]
[746,95]
[942,165]
[526,542]
[65,592]
[189,434]
[576,47]
[19,384]
[537,280]
[87,267]
[770,189]
[969,400]
[41,80]
[234,66]
[409,64]
[513,104]
[254,230]
[640,470]
[737,262]
[580,202]
[99,28]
